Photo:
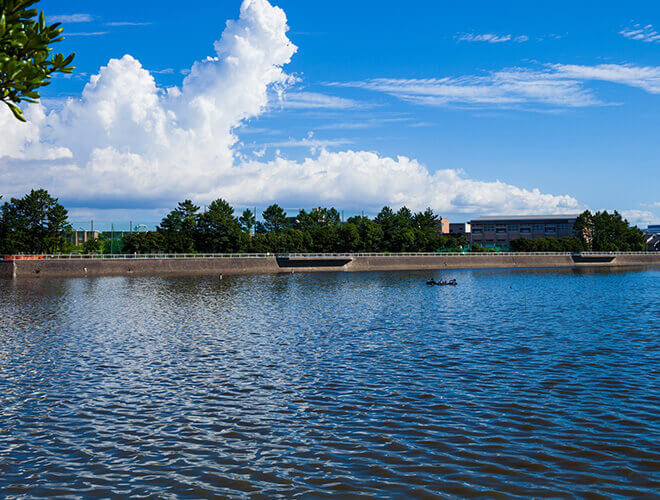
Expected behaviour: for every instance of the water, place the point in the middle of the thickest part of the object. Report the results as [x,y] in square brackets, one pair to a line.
[515,383]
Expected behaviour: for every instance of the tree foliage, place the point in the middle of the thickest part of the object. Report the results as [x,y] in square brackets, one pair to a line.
[92,246]
[179,227]
[26,62]
[565,244]
[217,230]
[34,224]
[605,232]
[247,220]
[275,219]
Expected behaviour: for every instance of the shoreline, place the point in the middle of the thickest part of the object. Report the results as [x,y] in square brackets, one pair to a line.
[78,267]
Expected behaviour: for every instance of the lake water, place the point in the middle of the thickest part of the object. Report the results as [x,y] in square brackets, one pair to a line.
[530,383]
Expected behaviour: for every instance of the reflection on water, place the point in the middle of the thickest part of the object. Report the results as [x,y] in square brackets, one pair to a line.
[535,383]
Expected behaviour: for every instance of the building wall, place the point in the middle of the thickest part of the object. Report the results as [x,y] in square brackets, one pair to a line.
[502,232]
[79,237]
[444,226]
[459,228]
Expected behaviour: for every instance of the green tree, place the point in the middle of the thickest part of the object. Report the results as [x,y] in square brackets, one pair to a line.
[247,220]
[426,220]
[143,242]
[349,237]
[605,232]
[26,62]
[179,228]
[371,234]
[584,229]
[91,246]
[275,218]
[317,217]
[218,229]
[34,224]
[404,217]
[325,238]
[389,224]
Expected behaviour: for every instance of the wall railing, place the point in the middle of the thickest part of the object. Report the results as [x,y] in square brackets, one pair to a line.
[305,255]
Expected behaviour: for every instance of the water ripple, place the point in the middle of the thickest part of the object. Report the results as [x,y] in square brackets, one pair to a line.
[513,384]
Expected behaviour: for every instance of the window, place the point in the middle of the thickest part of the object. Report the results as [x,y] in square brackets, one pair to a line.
[513,227]
[500,229]
[525,229]
[538,227]
[489,227]
[477,229]
[562,228]
[550,228]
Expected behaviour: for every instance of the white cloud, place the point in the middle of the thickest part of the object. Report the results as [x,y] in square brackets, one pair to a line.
[362,179]
[87,33]
[644,77]
[314,100]
[310,142]
[71,18]
[490,38]
[643,33]
[125,142]
[640,218]
[127,23]
[554,86]
[508,88]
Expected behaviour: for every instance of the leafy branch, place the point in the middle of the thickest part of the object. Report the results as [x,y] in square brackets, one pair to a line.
[26,62]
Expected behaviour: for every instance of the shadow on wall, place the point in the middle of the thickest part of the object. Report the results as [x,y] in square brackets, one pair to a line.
[286,262]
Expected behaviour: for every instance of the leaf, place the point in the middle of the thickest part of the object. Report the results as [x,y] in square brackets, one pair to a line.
[18,112]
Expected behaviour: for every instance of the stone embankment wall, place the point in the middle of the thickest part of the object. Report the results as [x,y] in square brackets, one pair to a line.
[144,267]
[6,270]
[259,265]
[481,261]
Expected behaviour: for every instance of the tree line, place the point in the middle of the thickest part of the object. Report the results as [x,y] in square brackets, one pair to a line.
[38,224]
[218,230]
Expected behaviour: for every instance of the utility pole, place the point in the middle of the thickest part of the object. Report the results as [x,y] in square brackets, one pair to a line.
[130,226]
[112,236]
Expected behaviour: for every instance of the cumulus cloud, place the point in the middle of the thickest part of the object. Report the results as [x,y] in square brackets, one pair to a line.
[361,179]
[553,86]
[125,142]
[642,33]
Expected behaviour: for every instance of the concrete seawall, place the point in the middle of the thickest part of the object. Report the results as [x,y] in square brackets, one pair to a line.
[210,266]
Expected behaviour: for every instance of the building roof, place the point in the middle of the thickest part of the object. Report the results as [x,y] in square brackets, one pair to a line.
[530,218]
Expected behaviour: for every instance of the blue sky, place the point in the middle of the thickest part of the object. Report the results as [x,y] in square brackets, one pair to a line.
[562,98]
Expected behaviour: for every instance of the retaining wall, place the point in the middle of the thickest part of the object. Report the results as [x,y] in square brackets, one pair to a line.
[6,270]
[458,262]
[144,267]
[258,265]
